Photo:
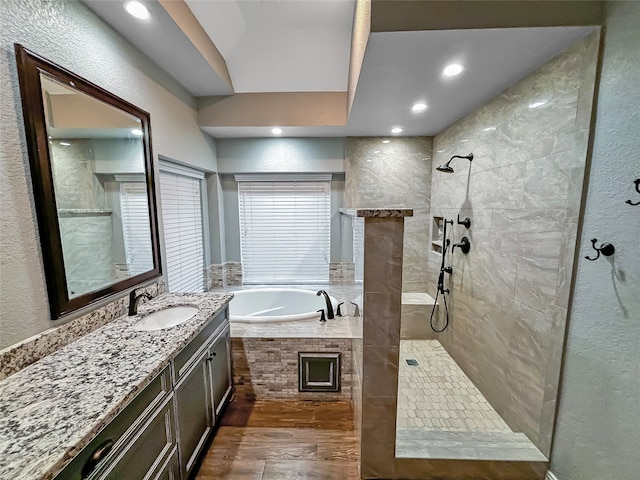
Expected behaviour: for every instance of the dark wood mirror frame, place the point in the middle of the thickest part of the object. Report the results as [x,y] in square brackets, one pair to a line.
[30,65]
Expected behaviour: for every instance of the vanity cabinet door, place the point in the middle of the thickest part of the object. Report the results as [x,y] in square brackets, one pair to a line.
[148,450]
[194,412]
[220,357]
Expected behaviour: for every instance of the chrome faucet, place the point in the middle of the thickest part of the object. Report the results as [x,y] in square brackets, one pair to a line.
[328,302]
[134,299]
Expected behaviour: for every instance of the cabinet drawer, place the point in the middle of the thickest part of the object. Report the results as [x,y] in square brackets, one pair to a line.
[189,353]
[121,429]
[148,450]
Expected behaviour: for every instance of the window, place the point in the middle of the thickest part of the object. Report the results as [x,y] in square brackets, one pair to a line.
[285,228]
[180,192]
[135,226]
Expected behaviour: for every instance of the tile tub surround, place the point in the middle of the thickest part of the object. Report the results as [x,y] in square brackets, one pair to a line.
[50,410]
[398,175]
[267,368]
[220,275]
[342,272]
[16,357]
[522,192]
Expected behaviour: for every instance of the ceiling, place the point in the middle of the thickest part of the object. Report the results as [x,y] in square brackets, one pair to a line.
[304,46]
[281,46]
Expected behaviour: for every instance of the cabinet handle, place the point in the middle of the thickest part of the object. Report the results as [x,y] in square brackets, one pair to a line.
[96,457]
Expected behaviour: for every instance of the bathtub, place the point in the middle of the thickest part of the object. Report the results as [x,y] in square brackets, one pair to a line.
[265,305]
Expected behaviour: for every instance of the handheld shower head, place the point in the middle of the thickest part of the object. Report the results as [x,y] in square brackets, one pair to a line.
[446,168]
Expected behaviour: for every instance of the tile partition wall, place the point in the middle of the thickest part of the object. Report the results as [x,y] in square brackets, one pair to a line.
[23,354]
[523,192]
[395,174]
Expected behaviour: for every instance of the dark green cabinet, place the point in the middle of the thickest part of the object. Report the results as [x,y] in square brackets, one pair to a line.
[164,429]
[194,413]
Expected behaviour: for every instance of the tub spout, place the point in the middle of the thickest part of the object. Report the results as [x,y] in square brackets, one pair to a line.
[328,302]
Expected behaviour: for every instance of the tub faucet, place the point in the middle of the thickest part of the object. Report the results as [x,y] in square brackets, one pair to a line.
[134,299]
[328,302]
[356,313]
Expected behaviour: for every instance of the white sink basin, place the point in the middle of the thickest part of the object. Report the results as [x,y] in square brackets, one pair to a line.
[167,318]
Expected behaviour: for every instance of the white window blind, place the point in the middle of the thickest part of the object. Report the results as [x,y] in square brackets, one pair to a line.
[285,231]
[135,227]
[182,222]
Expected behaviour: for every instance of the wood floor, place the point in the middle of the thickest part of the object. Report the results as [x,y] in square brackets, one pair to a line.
[284,440]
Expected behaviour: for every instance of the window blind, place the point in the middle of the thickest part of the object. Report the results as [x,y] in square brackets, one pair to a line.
[183,237]
[135,227]
[285,231]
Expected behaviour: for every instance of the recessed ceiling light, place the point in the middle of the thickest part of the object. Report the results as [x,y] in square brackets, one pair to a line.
[386,141]
[453,69]
[136,131]
[276,131]
[65,144]
[397,130]
[537,104]
[489,129]
[419,107]
[138,10]
[376,151]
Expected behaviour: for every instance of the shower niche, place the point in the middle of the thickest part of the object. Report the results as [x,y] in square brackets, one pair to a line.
[437,229]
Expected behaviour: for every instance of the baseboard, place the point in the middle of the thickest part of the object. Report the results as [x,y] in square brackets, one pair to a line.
[550,476]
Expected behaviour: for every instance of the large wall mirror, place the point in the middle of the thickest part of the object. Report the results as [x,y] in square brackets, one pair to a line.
[92,173]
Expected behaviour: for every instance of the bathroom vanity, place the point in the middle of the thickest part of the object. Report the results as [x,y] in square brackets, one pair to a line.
[121,403]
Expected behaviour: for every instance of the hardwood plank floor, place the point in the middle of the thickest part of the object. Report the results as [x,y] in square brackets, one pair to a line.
[284,440]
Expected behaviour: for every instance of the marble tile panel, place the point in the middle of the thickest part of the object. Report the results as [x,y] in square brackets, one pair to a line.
[546,182]
[565,264]
[380,371]
[530,233]
[536,284]
[498,188]
[494,270]
[382,325]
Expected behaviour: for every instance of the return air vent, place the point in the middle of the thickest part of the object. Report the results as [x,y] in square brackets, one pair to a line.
[319,372]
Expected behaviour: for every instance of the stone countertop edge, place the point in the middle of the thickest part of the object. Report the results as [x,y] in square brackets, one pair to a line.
[378,212]
[52,409]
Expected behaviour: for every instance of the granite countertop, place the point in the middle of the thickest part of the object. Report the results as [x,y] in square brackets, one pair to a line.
[53,408]
[378,212]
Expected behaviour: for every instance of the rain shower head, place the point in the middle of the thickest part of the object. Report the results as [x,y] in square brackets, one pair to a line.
[448,169]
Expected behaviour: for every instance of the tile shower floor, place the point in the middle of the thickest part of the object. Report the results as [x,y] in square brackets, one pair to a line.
[441,414]
[437,395]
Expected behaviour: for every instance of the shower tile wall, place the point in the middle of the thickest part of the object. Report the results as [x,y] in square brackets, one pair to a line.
[86,235]
[395,174]
[522,192]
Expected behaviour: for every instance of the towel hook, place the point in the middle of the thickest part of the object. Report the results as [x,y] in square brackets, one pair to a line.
[637,182]
[605,249]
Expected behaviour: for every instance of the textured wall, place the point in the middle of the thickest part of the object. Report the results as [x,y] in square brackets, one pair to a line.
[598,426]
[396,174]
[69,34]
[522,192]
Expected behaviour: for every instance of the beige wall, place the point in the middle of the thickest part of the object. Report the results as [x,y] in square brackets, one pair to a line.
[397,174]
[69,34]
[522,192]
